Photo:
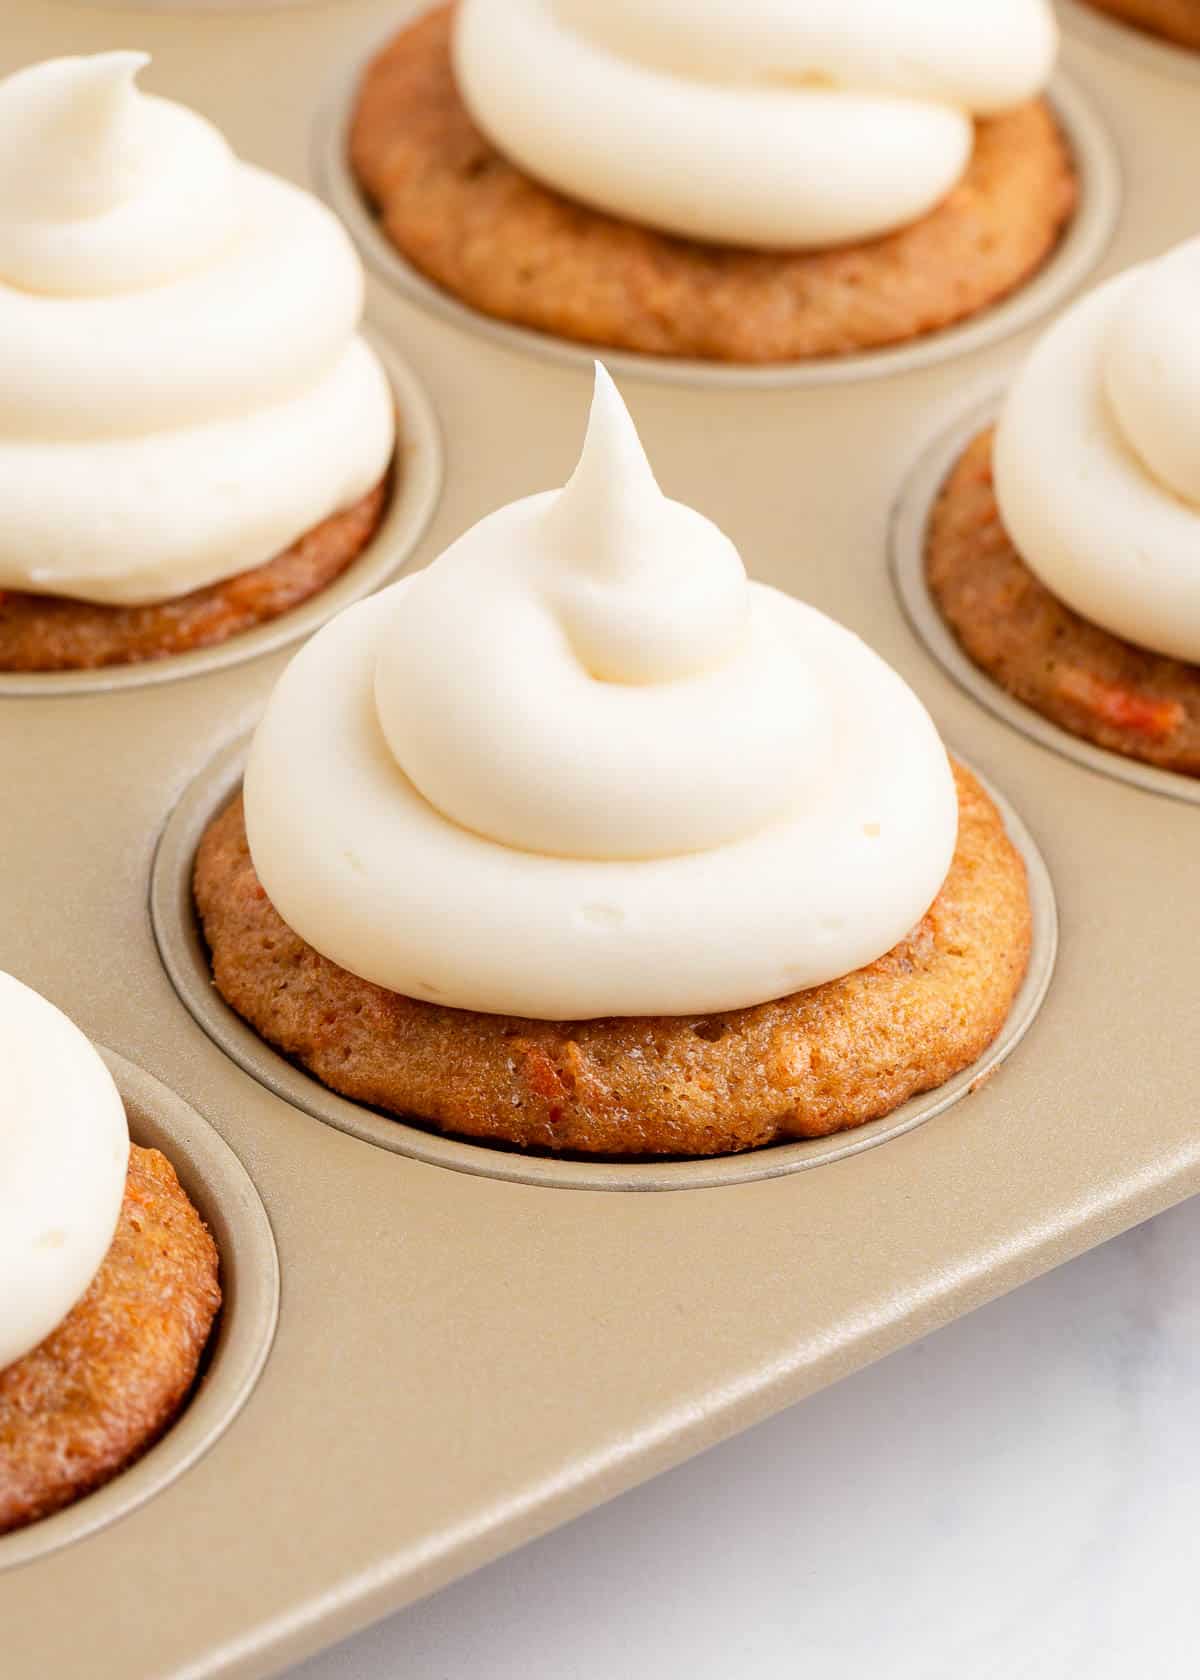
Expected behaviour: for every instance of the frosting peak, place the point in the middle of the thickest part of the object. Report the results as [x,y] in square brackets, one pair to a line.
[650,591]
[102,187]
[66,146]
[184,393]
[749,122]
[582,766]
[1097,456]
[625,701]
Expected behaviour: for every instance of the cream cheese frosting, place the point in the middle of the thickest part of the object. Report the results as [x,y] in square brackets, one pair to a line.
[64,1149]
[1097,456]
[580,766]
[185,392]
[749,122]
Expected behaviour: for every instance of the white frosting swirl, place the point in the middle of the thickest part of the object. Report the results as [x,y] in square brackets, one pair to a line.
[581,767]
[755,123]
[1097,456]
[64,1149]
[184,391]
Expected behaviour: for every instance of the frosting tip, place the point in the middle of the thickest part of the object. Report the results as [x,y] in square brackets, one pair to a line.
[64,134]
[612,452]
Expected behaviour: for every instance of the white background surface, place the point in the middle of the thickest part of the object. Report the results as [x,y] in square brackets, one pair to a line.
[1015,1498]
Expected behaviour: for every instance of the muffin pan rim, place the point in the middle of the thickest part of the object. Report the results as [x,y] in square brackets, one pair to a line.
[1139,46]
[907,526]
[181,950]
[1077,255]
[420,453]
[222,1189]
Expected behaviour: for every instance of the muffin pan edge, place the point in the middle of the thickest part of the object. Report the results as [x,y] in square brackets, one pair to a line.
[221,1189]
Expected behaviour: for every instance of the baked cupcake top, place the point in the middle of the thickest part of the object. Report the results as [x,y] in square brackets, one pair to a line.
[580,766]
[1097,456]
[185,392]
[747,122]
[64,1149]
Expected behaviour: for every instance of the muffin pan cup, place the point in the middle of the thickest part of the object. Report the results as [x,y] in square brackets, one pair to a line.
[185,957]
[219,1187]
[417,480]
[910,520]
[1068,265]
[463,1361]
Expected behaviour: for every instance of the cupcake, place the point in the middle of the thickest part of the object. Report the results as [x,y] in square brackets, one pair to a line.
[108,1277]
[579,841]
[1063,548]
[747,183]
[193,437]
[1174,20]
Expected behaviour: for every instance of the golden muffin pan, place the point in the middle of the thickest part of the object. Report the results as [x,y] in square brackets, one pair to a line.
[473,1346]
[1135,45]
[907,545]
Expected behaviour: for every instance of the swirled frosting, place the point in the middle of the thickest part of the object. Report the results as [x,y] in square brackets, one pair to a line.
[1097,456]
[580,766]
[184,389]
[752,123]
[64,1148]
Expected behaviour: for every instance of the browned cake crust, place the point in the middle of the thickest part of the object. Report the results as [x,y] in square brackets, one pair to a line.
[804,1066]
[52,633]
[1176,20]
[1081,677]
[512,248]
[103,1386]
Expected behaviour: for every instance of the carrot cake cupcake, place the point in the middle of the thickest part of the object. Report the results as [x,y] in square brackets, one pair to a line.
[579,840]
[1063,548]
[193,437]
[108,1277]
[736,182]
[1174,20]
